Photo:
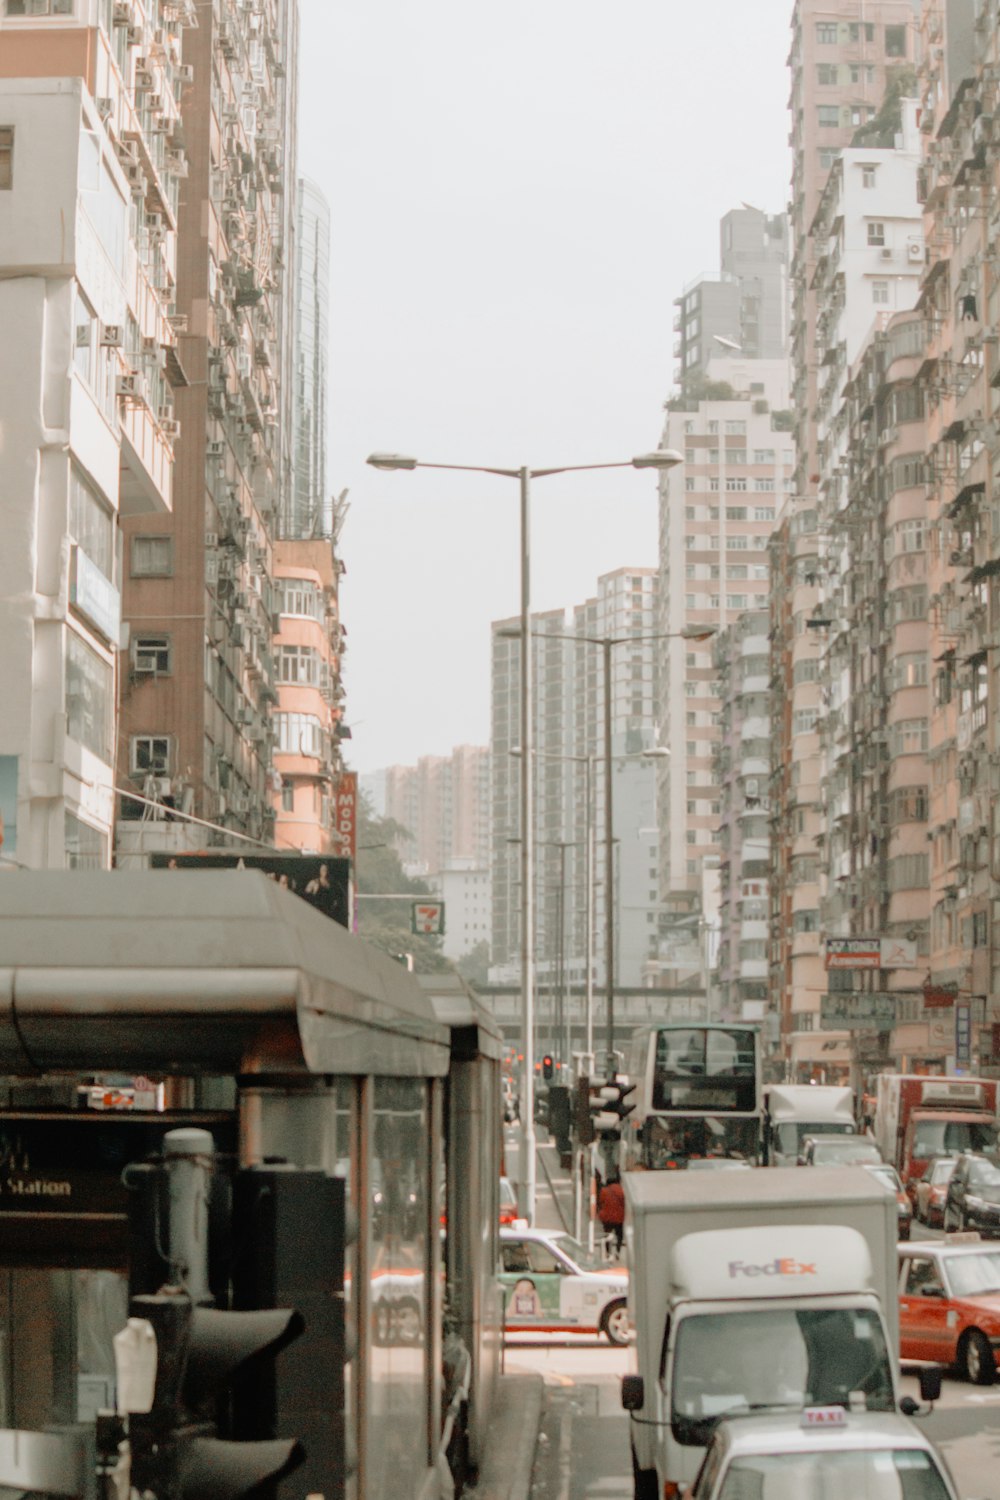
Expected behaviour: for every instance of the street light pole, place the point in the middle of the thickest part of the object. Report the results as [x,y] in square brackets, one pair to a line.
[609,867]
[665,458]
[527,1165]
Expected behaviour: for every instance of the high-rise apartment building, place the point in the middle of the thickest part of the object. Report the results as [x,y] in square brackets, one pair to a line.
[569,743]
[197,700]
[92,170]
[717,513]
[307,505]
[746,310]
[741,769]
[844,54]
[443,804]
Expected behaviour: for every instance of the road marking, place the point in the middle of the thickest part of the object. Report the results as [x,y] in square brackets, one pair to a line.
[565,1454]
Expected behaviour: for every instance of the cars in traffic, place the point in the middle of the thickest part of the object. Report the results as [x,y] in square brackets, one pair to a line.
[929,1191]
[818,1453]
[904,1208]
[839,1151]
[949,1304]
[553,1284]
[972,1197]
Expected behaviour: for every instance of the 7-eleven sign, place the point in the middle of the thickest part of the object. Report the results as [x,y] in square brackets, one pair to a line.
[427,917]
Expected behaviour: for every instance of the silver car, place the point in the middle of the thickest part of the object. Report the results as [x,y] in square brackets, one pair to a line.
[819,1452]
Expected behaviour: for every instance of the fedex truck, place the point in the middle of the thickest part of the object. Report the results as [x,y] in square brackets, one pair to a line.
[918,1117]
[793,1111]
[753,1291]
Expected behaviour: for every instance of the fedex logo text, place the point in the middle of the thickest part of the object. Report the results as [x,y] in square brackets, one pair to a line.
[784,1266]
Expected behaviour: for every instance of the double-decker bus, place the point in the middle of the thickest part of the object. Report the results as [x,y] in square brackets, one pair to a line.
[698,1095]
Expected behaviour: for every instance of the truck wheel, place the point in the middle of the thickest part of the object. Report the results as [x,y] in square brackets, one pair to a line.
[976,1358]
[614,1322]
[644,1486]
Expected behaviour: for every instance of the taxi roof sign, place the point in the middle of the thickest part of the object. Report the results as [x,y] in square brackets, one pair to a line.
[824,1416]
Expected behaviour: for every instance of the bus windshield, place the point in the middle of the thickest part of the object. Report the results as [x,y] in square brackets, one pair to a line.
[709,1068]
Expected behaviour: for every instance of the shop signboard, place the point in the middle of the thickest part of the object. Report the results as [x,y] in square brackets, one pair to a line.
[857,1010]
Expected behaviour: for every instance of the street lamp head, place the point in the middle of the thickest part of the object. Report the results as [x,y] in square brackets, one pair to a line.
[663,458]
[390,461]
[656,752]
[698,632]
[509,633]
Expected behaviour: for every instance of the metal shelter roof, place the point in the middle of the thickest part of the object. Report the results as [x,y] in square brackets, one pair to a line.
[177,971]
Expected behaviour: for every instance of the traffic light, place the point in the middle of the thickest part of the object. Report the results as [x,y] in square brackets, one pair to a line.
[548,1066]
[176,1453]
[609,1106]
[583,1120]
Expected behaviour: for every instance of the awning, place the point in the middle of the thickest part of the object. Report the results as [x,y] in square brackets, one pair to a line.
[186,972]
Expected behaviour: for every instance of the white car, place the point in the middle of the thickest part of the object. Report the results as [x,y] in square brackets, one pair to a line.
[821,1452]
[552,1284]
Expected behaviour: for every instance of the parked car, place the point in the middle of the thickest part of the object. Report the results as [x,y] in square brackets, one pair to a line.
[904,1208]
[508,1201]
[929,1191]
[552,1284]
[839,1151]
[972,1198]
[820,1452]
[949,1305]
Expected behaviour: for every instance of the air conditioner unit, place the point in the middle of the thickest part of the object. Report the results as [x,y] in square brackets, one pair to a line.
[104,107]
[211,538]
[914,250]
[129,385]
[121,13]
[134,175]
[170,427]
[243,363]
[887,252]
[154,221]
[215,450]
[112,335]
[150,345]
[185,73]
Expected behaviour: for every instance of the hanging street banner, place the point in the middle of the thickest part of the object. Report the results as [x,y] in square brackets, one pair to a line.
[427,917]
[871,1011]
[963,1033]
[345,815]
[871,953]
[321,880]
[853,953]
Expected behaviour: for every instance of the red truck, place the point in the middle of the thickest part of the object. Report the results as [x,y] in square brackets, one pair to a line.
[918,1117]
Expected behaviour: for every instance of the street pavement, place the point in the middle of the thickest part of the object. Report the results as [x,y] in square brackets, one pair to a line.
[583,1445]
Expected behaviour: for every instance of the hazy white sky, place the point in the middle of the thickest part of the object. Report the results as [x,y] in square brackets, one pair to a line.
[518,192]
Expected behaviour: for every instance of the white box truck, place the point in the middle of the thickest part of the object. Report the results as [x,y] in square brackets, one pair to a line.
[793,1111]
[753,1291]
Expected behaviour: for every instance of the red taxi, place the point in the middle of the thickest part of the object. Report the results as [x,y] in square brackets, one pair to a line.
[949,1304]
[930,1191]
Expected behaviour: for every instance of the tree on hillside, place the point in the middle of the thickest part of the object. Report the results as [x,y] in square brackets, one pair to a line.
[474,965]
[881,130]
[386,924]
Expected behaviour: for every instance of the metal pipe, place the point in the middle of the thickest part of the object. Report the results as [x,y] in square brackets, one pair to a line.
[609,865]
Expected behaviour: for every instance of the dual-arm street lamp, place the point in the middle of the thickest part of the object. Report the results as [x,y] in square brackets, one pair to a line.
[607,645]
[665,458]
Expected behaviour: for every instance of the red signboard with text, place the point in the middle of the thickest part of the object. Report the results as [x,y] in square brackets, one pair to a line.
[345,815]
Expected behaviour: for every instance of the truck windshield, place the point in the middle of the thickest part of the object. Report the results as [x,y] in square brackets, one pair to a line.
[791,1133]
[890,1473]
[951,1137]
[774,1358]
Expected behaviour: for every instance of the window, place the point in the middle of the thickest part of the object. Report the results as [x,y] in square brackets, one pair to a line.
[6,157]
[827,156]
[895,41]
[299,664]
[298,734]
[301,597]
[860,113]
[85,341]
[829,116]
[737,571]
[734,485]
[89,697]
[880,293]
[867,177]
[826,74]
[736,601]
[91,524]
[763,512]
[151,654]
[689,483]
[857,29]
[764,486]
[735,429]
[287,795]
[152,556]
[804,720]
[876,233]
[763,455]
[150,753]
[826,33]
[737,544]
[39,7]
[86,847]
[736,512]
